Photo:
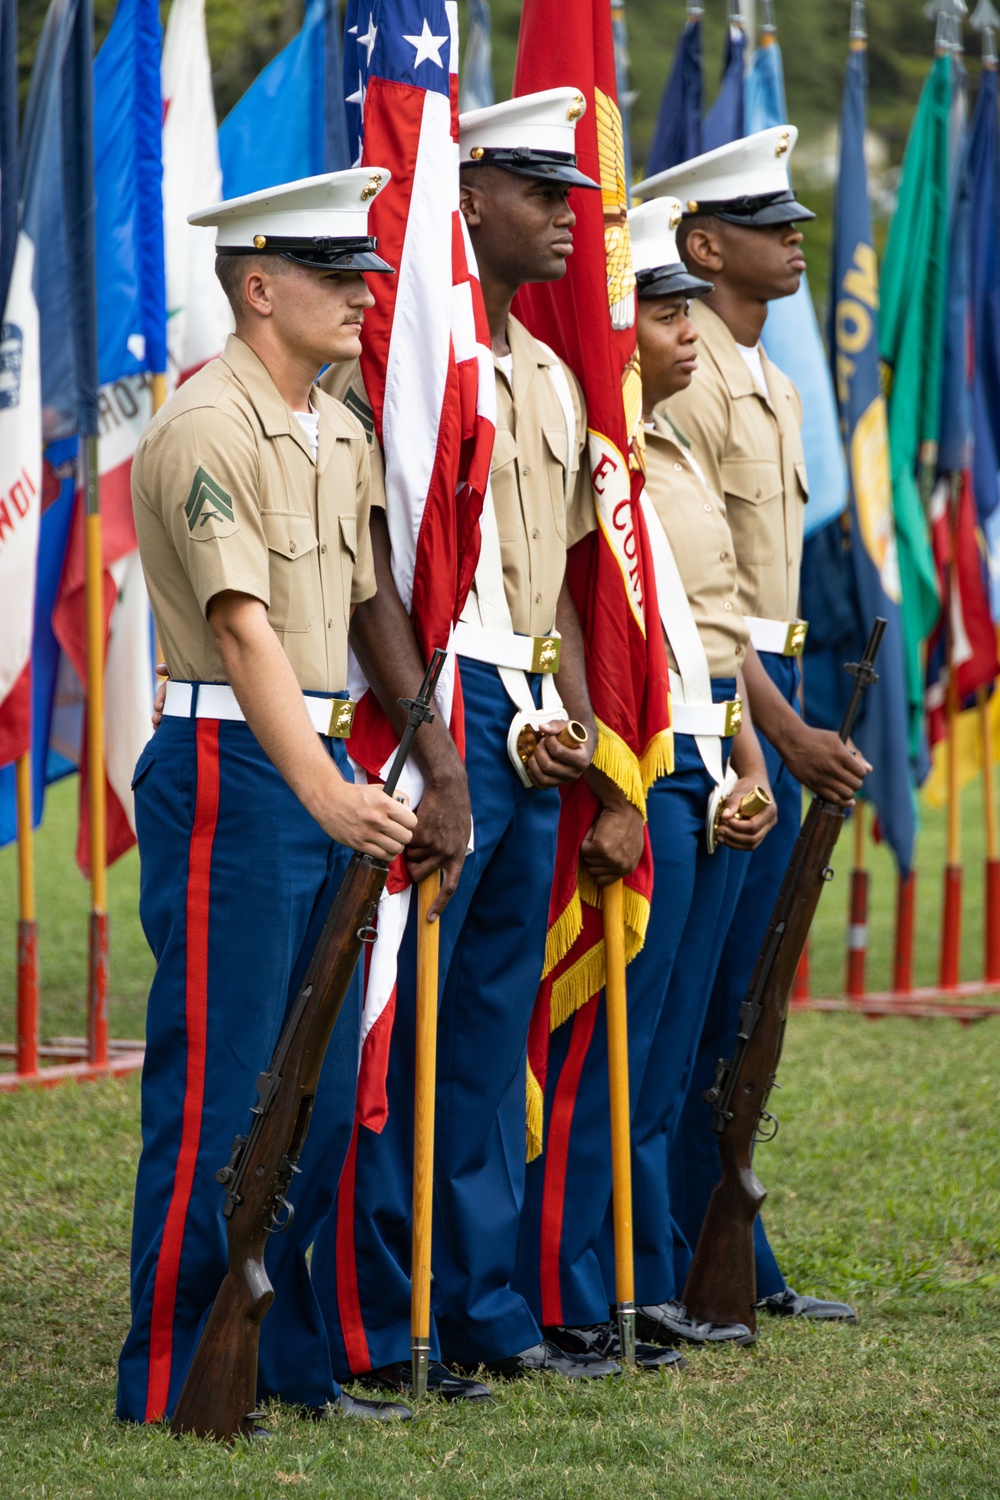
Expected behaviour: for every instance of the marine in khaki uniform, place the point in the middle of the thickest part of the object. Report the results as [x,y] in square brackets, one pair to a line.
[251,492]
[565,1260]
[518,179]
[742,416]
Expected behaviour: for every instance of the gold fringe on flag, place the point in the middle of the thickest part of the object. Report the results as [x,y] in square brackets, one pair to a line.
[620,764]
[563,933]
[534,1113]
[658,758]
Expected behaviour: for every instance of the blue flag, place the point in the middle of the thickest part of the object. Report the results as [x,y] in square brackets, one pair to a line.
[8,141]
[871,539]
[791,333]
[476,77]
[677,136]
[290,122]
[132,311]
[726,120]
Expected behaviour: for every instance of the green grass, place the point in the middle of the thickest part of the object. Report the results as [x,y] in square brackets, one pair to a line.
[884,1188]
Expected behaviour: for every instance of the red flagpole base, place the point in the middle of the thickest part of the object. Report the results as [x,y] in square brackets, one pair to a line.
[902,963]
[97,989]
[993,921]
[27,997]
[857,935]
[800,984]
[951,931]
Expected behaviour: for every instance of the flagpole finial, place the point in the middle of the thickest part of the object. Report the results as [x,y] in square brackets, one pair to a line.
[695,10]
[986,19]
[736,16]
[948,14]
[768,25]
[859,21]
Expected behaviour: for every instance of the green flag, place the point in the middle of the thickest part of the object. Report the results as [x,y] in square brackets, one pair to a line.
[911,333]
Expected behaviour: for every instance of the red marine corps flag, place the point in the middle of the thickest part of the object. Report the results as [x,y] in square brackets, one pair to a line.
[588,318]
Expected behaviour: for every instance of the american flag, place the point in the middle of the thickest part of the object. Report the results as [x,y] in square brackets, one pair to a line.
[428,372]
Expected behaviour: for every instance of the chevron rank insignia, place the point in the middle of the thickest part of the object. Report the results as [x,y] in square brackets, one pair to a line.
[208,508]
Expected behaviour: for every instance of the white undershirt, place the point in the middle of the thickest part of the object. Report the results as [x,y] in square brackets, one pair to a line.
[506,363]
[754,363]
[309,422]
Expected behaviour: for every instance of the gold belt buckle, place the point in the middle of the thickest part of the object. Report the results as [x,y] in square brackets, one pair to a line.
[341,718]
[795,639]
[545,653]
[734,717]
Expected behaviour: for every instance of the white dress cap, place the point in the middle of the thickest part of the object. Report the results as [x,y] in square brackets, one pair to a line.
[746,181]
[659,270]
[317,221]
[534,135]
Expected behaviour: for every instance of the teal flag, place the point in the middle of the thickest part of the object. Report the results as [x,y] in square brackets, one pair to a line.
[911,329]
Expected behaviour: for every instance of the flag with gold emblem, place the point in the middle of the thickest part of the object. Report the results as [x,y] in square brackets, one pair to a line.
[588,318]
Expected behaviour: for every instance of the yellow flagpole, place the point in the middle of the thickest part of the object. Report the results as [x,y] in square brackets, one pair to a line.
[428,935]
[97,955]
[613,901]
[27,925]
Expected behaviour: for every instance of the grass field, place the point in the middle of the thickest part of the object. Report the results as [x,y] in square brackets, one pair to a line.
[884,1188]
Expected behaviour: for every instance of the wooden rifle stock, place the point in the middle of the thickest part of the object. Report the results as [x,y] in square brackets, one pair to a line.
[220,1393]
[721,1284]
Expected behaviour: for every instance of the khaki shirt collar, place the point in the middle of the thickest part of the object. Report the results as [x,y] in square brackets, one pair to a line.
[276,417]
[529,356]
[717,339]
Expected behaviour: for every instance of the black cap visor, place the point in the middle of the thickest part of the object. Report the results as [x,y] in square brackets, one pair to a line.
[548,166]
[670,281]
[756,213]
[321,253]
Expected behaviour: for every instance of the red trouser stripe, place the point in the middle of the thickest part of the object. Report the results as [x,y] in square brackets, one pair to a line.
[348,1300]
[196,1021]
[556,1161]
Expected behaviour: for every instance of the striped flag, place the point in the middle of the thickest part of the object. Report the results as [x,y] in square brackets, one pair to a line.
[428,372]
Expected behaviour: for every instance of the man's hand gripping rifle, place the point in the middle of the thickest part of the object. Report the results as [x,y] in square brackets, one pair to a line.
[720,1287]
[220,1392]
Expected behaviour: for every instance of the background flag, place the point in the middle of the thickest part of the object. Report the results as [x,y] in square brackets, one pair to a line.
[198,316]
[911,331]
[8,141]
[610,573]
[726,120]
[131,322]
[791,333]
[49,343]
[476,77]
[290,123]
[984,280]
[677,136]
[870,534]
[436,430]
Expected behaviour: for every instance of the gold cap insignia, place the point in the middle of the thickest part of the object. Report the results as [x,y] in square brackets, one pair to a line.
[477,153]
[784,143]
[692,205]
[371,187]
[676,215]
[576,108]
[259,241]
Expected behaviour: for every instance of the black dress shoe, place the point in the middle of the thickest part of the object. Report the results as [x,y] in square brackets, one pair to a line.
[602,1339]
[789,1304]
[548,1356]
[370,1411]
[440,1382]
[671,1323]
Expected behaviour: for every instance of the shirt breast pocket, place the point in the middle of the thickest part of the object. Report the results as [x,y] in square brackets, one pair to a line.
[504,486]
[292,563]
[557,464]
[753,494]
[348,557]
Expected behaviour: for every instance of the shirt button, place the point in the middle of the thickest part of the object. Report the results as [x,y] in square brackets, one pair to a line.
[679,468]
[707,507]
[329,624]
[739,650]
[538,598]
[534,532]
[323,547]
[723,556]
[727,605]
[292,547]
[525,470]
[757,494]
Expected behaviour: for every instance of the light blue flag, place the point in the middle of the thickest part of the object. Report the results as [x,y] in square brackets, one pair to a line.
[791,334]
[476,77]
[290,123]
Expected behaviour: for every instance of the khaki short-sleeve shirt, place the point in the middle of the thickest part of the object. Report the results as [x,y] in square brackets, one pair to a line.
[227,496]
[695,523]
[541,486]
[750,447]
[541,491]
